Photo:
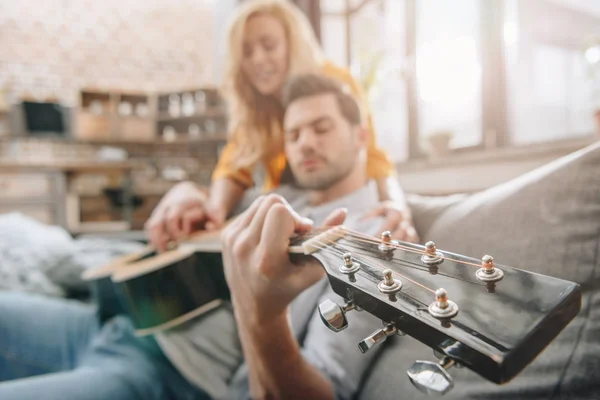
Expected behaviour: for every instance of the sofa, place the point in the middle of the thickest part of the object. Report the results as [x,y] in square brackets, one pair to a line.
[546,221]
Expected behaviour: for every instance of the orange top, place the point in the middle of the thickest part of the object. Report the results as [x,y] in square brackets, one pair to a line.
[378,163]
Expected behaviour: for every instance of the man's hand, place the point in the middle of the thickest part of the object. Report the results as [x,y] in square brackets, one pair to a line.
[398,220]
[184,209]
[262,279]
[263,282]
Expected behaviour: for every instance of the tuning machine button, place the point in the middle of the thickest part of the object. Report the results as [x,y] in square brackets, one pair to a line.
[334,315]
[376,337]
[488,271]
[430,377]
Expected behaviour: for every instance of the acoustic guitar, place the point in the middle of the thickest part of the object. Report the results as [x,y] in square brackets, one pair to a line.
[490,318]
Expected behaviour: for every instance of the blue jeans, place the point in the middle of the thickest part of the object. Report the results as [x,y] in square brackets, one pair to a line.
[54,349]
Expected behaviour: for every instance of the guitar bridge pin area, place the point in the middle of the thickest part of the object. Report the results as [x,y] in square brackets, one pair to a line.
[442,308]
[350,267]
[389,285]
[432,257]
[488,271]
[386,242]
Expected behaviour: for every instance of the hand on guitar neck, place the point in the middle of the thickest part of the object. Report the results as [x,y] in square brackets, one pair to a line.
[263,282]
[180,214]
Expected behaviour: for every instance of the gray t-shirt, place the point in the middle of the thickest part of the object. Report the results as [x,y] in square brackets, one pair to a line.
[207,351]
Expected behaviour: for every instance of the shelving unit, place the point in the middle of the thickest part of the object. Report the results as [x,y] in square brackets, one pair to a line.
[196,114]
[134,122]
[136,115]
[189,115]
[105,115]
[95,115]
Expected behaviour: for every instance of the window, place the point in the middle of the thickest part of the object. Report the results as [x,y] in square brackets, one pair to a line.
[549,87]
[369,38]
[333,31]
[449,70]
[480,74]
[377,58]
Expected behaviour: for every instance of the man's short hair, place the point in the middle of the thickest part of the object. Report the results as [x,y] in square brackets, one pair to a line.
[306,85]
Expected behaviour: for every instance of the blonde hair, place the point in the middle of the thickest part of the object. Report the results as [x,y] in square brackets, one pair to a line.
[255,119]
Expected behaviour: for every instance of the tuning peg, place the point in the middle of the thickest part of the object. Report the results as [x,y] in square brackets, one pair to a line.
[350,266]
[389,285]
[334,315]
[488,271]
[432,256]
[430,377]
[386,242]
[376,337]
[443,308]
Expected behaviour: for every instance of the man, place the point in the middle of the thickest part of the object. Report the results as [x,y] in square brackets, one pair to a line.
[286,358]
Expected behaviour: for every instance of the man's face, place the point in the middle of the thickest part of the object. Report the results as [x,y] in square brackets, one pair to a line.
[320,144]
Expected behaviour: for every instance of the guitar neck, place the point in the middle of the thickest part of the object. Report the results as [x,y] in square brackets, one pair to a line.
[305,243]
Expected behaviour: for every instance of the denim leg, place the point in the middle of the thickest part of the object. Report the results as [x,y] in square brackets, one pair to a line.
[61,342]
[140,362]
[86,383]
[39,334]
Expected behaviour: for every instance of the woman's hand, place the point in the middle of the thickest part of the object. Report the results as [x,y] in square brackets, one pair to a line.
[184,209]
[398,220]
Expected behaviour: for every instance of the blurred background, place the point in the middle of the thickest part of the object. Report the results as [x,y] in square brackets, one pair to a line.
[105,105]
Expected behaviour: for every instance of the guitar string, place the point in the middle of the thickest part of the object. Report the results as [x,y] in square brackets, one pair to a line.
[406,263]
[374,240]
[379,266]
[310,234]
[416,266]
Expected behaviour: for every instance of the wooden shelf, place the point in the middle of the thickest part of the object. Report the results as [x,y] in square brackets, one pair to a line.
[104,226]
[218,138]
[25,201]
[209,113]
[94,166]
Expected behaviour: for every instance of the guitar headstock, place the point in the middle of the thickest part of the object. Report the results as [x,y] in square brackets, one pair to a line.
[490,318]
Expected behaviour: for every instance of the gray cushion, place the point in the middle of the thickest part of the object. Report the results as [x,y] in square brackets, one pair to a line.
[547,221]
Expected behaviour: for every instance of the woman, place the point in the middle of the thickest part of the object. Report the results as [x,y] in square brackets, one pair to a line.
[267,41]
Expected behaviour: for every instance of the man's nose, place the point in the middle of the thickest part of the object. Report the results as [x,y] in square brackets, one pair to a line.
[307,140]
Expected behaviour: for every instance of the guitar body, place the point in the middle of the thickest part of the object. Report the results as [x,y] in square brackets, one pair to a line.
[102,288]
[171,288]
[161,290]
